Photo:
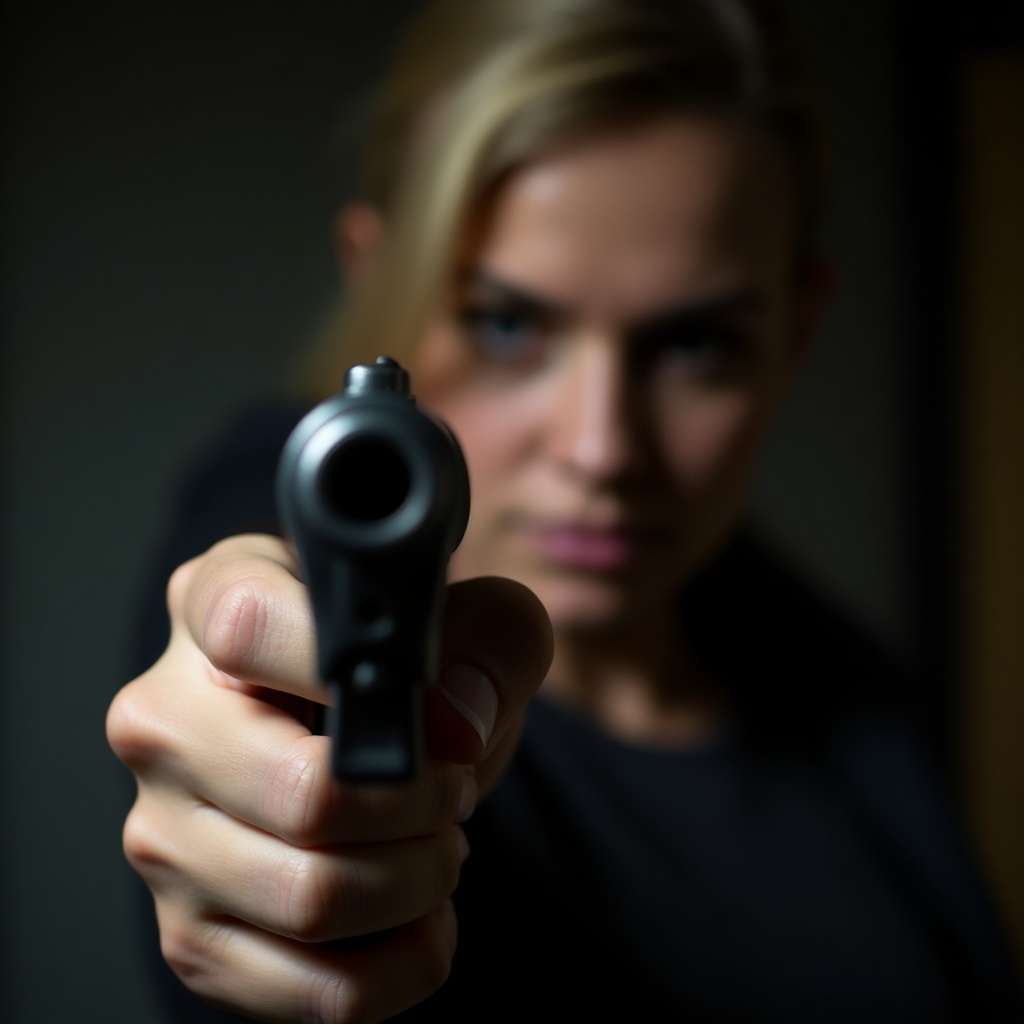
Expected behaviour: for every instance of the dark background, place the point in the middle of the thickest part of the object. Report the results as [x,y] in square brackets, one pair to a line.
[169,174]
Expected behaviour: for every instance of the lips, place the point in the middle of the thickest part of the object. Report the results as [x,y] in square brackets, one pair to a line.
[584,548]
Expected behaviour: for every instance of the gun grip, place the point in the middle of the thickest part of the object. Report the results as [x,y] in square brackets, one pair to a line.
[375,726]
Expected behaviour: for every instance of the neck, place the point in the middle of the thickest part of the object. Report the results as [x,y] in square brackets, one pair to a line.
[639,683]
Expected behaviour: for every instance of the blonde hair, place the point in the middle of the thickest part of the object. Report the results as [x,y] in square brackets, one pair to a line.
[480,87]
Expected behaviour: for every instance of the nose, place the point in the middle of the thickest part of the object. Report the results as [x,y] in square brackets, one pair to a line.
[593,428]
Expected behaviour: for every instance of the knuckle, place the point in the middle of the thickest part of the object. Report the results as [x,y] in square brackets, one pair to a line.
[436,966]
[299,797]
[183,953]
[335,998]
[344,998]
[306,897]
[136,735]
[179,584]
[236,625]
[120,725]
[145,848]
[192,950]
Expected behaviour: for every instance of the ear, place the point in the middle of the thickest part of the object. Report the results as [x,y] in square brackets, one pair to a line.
[357,231]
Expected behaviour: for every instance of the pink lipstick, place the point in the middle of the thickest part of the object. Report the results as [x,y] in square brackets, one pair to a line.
[583,548]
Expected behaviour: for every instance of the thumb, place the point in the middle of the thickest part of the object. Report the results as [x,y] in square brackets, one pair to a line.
[496,648]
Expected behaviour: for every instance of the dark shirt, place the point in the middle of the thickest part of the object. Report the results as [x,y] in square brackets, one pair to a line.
[804,865]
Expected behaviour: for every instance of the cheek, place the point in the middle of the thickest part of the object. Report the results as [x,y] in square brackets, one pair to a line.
[711,442]
[497,424]
[494,455]
[493,440]
[488,445]
[440,366]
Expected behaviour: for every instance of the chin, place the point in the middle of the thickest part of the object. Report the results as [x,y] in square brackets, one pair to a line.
[587,605]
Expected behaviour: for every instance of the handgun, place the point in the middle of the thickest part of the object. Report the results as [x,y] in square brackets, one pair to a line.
[374,494]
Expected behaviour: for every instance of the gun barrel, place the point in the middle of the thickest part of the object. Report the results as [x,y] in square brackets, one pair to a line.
[374,493]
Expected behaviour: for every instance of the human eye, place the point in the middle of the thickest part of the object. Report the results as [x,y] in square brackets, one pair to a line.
[503,334]
[706,349]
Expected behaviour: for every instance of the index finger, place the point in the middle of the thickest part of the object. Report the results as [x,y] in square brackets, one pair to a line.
[247,611]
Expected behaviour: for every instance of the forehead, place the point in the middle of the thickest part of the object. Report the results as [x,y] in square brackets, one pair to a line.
[643,216]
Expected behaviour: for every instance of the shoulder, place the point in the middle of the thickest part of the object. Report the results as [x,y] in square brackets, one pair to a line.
[810,682]
[797,664]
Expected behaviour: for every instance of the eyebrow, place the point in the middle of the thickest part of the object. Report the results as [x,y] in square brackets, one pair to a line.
[737,300]
[716,304]
[530,302]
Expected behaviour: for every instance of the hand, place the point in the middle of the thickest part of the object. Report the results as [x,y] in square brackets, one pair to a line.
[257,857]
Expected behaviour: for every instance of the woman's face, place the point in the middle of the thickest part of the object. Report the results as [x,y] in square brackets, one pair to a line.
[618,335]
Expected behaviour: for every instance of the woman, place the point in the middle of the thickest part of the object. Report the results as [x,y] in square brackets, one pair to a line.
[588,232]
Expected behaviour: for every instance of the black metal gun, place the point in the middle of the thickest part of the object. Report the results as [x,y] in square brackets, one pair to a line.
[374,494]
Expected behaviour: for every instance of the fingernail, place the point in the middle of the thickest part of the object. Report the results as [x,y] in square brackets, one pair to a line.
[472,694]
[467,798]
